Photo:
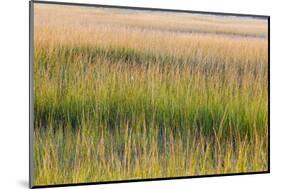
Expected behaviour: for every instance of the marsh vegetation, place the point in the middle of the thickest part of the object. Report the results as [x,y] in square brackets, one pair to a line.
[132,95]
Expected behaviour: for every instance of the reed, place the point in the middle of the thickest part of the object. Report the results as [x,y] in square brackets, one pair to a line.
[119,99]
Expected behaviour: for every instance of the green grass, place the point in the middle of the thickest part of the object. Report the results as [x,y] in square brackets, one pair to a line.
[106,114]
[121,96]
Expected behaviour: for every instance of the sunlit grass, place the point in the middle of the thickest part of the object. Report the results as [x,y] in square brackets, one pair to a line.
[142,104]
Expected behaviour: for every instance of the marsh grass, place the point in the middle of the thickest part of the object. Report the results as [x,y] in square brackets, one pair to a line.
[113,106]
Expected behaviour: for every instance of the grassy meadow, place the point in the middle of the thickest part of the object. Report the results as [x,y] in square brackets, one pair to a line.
[121,94]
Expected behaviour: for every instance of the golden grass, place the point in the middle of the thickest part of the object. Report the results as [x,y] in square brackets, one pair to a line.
[134,95]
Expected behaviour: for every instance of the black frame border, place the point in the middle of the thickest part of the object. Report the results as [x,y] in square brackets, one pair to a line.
[31,60]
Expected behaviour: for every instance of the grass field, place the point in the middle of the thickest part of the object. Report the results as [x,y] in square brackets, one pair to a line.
[122,94]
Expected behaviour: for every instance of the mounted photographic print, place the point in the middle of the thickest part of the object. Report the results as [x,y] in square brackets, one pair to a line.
[121,94]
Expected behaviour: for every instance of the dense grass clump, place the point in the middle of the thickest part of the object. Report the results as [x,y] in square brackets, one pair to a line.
[193,104]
